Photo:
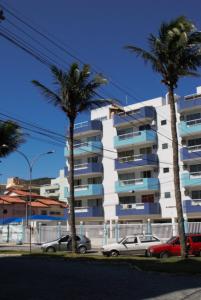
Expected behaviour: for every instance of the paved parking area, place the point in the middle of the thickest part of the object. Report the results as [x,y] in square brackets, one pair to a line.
[45,278]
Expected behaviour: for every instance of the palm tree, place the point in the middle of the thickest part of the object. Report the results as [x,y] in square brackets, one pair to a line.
[174,53]
[11,136]
[76,92]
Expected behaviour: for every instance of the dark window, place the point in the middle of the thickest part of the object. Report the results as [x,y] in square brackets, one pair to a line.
[194,142]
[195,168]
[127,200]
[64,239]
[146,174]
[165,170]
[193,117]
[196,239]
[196,195]
[164,146]
[167,195]
[43,212]
[144,127]
[130,240]
[163,122]
[78,203]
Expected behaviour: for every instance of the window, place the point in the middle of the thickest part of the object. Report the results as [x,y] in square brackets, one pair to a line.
[167,195]
[127,200]
[196,195]
[55,212]
[196,239]
[77,182]
[130,240]
[194,116]
[164,146]
[195,168]
[127,176]
[165,170]
[147,150]
[64,239]
[144,127]
[78,203]
[93,159]
[95,180]
[163,122]
[146,174]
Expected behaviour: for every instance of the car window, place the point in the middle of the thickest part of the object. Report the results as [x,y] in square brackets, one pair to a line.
[148,239]
[130,240]
[77,238]
[177,242]
[64,239]
[196,238]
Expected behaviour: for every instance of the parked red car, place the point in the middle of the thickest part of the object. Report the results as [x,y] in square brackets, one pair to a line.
[172,247]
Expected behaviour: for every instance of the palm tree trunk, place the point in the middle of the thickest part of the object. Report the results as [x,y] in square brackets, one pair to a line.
[71,182]
[177,189]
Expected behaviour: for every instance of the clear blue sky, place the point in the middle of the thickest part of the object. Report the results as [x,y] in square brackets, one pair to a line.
[96,32]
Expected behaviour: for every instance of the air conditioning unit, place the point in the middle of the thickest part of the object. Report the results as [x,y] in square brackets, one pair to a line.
[129,206]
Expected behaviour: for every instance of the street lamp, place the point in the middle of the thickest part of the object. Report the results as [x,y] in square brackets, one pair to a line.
[30,164]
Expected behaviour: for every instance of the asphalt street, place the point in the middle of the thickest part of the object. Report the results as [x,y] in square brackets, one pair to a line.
[45,278]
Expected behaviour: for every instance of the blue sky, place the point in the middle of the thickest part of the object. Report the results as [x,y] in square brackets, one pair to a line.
[96,32]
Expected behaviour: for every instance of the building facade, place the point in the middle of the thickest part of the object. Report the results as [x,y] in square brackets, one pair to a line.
[124,163]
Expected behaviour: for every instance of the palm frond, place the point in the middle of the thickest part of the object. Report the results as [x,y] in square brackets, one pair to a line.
[50,95]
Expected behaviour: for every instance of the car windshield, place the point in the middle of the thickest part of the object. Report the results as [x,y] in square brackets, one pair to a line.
[171,240]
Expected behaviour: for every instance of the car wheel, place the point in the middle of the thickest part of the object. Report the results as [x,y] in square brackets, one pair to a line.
[114,253]
[164,255]
[82,250]
[50,249]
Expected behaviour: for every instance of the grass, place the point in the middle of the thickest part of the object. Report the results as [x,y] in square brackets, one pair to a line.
[173,265]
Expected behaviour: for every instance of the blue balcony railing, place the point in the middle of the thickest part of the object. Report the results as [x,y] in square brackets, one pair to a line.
[191,179]
[142,184]
[87,126]
[135,138]
[191,206]
[136,161]
[85,190]
[190,153]
[86,168]
[141,209]
[144,113]
[185,105]
[86,148]
[189,127]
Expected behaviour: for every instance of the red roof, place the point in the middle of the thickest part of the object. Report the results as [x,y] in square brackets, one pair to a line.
[37,204]
[49,201]
[11,199]
[22,193]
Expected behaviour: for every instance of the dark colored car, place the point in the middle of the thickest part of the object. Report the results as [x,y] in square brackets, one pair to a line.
[172,247]
[65,244]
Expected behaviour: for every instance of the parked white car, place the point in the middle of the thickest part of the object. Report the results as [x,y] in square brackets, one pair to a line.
[132,244]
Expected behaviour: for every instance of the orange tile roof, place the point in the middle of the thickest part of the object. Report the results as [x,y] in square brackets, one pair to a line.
[12,199]
[4,202]
[23,193]
[49,201]
[37,204]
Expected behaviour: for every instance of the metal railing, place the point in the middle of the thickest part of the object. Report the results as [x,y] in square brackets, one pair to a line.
[193,122]
[194,148]
[130,181]
[81,124]
[129,135]
[130,158]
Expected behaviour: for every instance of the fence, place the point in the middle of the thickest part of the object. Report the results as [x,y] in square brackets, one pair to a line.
[99,234]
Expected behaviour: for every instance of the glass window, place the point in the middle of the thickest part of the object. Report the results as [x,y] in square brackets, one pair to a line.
[196,195]
[194,116]
[146,174]
[194,142]
[127,200]
[78,203]
[163,122]
[130,240]
[195,168]
[64,239]
[144,127]
[167,195]
[164,146]
[146,150]
[196,238]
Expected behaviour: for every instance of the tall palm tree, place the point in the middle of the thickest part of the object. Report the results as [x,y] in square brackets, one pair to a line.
[174,53]
[76,92]
[11,136]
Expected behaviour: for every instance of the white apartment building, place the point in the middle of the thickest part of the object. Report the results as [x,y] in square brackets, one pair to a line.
[124,167]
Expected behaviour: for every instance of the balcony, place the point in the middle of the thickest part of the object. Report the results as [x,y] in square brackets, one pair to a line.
[89,212]
[191,179]
[141,209]
[91,147]
[143,114]
[136,161]
[86,190]
[189,127]
[141,184]
[86,169]
[135,138]
[87,127]
[189,103]
[190,153]
[192,206]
